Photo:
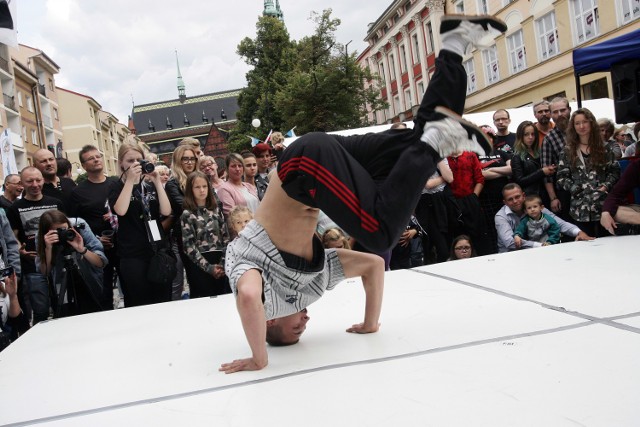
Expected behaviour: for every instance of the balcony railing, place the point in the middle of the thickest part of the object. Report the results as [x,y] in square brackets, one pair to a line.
[42,90]
[4,64]
[9,101]
[47,121]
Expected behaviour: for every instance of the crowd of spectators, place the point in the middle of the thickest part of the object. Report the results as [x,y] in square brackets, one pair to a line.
[69,249]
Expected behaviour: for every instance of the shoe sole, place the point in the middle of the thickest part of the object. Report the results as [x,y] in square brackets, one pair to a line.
[471,129]
[450,22]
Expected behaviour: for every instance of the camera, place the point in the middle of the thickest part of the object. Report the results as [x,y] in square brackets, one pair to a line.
[65,234]
[147,166]
[6,272]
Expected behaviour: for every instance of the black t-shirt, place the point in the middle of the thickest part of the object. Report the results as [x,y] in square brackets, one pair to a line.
[133,239]
[24,216]
[89,201]
[5,203]
[496,159]
[62,192]
[504,143]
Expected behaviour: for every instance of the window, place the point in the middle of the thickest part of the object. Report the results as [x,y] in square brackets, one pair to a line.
[407,99]
[403,59]
[29,104]
[491,69]
[596,89]
[458,6]
[91,113]
[392,67]
[548,36]
[19,98]
[470,68]
[381,67]
[483,7]
[55,113]
[51,85]
[24,133]
[420,93]
[396,104]
[34,137]
[517,53]
[630,10]
[430,45]
[585,15]
[416,49]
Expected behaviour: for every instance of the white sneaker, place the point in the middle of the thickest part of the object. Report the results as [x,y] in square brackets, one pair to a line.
[447,137]
[474,133]
[475,31]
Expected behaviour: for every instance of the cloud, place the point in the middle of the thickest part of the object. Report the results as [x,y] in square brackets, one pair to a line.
[113,49]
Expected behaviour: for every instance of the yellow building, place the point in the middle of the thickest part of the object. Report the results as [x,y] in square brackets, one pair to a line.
[84,123]
[44,96]
[531,61]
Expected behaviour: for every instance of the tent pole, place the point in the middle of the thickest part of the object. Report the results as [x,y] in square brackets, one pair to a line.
[578,94]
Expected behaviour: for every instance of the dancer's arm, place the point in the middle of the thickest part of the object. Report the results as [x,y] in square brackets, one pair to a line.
[254,323]
[371,268]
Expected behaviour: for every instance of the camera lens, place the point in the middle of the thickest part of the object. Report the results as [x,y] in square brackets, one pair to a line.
[147,166]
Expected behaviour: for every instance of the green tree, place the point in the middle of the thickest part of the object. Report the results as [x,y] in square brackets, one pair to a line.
[272,56]
[326,90]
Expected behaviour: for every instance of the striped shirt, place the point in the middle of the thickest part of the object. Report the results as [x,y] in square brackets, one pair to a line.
[289,283]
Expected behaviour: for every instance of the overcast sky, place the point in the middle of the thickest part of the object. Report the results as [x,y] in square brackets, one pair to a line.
[113,50]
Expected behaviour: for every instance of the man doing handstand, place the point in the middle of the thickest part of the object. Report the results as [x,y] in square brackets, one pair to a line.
[367,184]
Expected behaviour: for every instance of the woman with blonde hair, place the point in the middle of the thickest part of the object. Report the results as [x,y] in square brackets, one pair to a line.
[588,170]
[139,206]
[183,163]
[335,238]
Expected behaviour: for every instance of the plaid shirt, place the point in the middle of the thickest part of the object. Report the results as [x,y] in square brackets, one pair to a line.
[552,147]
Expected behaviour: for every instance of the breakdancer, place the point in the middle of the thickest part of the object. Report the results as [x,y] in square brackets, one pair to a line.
[368,184]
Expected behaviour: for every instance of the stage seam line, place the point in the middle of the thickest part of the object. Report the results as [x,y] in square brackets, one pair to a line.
[297,373]
[601,320]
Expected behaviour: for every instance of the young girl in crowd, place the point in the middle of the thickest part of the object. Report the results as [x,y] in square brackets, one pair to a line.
[138,205]
[239,217]
[462,248]
[335,238]
[203,239]
[87,253]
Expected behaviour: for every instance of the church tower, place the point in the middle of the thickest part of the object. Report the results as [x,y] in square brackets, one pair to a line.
[182,96]
[273,10]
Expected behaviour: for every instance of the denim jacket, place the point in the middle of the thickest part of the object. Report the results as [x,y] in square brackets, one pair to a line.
[91,274]
[9,244]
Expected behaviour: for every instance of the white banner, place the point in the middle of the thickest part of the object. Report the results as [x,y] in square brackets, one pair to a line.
[8,156]
[8,22]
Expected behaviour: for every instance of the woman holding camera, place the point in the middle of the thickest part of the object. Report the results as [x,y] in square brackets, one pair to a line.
[138,205]
[58,243]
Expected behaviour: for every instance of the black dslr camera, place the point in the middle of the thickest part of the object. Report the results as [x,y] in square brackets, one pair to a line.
[67,234]
[147,166]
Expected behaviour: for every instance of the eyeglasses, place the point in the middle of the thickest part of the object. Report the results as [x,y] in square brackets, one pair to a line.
[463,248]
[188,159]
[92,158]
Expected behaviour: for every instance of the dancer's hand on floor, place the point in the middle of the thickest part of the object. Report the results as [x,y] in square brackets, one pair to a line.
[361,328]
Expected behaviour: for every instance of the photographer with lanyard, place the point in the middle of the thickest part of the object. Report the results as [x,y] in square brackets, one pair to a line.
[138,205]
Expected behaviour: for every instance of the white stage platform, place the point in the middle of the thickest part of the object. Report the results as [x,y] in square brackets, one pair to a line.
[542,337]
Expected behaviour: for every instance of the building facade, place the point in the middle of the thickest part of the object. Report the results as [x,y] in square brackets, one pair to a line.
[84,123]
[531,61]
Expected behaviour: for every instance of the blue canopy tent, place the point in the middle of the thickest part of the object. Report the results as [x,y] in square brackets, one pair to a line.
[601,56]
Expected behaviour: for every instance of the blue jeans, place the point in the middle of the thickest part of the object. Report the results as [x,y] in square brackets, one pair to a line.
[35,290]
